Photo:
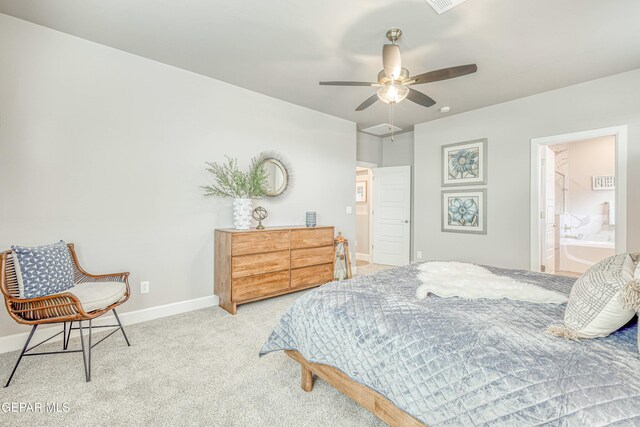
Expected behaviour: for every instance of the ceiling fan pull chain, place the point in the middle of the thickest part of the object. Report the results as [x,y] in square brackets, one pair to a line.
[391,120]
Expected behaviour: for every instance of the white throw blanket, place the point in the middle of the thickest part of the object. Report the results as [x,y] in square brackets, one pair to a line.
[457,279]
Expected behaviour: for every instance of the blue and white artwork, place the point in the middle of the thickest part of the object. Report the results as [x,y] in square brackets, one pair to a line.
[464,211]
[464,163]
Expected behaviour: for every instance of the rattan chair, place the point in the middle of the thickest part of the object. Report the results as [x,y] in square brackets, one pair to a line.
[63,308]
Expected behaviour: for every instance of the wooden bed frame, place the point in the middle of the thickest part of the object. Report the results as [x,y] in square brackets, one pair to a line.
[380,406]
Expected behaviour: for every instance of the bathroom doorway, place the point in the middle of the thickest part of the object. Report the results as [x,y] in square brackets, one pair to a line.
[579,197]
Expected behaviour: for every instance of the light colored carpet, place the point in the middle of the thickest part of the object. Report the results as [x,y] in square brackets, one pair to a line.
[197,368]
[372,268]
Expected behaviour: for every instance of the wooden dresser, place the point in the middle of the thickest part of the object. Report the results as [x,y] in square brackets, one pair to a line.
[251,265]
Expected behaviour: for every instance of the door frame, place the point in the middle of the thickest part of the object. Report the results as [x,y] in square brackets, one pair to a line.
[542,224]
[370,166]
[620,134]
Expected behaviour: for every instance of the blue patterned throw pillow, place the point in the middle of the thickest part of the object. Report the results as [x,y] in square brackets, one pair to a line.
[43,270]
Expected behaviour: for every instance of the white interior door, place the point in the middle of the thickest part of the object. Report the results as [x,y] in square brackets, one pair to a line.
[391,215]
[549,214]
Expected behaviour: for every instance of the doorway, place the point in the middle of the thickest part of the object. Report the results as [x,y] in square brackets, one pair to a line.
[383,211]
[578,199]
[364,180]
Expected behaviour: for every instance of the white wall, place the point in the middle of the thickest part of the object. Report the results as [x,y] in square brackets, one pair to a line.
[585,159]
[369,148]
[509,128]
[107,150]
[398,152]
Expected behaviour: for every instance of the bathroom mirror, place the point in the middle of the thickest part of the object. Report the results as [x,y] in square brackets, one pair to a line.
[277,176]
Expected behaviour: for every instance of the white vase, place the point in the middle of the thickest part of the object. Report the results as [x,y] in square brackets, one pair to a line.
[242,209]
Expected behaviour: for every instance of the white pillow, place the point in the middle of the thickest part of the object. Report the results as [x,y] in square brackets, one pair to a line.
[595,308]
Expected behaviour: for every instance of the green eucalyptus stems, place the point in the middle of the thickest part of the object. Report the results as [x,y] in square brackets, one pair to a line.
[234,183]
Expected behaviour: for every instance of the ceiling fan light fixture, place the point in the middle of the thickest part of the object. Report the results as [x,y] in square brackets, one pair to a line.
[392,93]
[394,80]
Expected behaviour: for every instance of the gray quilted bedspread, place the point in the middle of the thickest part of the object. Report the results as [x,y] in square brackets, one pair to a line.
[454,361]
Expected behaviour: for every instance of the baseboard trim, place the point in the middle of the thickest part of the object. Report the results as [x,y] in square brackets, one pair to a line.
[363,257]
[16,341]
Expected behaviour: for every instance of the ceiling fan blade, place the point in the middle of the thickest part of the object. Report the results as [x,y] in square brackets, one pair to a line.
[347,84]
[391,60]
[420,98]
[444,74]
[368,103]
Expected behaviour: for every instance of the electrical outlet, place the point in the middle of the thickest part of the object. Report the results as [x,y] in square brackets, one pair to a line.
[144,287]
[419,255]
[349,210]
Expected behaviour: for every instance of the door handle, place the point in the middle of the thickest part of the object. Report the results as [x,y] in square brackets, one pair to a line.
[406,221]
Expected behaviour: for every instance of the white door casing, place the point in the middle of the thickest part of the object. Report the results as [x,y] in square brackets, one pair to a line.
[391,215]
[548,212]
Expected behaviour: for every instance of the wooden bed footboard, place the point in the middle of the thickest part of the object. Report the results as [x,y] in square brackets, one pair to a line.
[380,406]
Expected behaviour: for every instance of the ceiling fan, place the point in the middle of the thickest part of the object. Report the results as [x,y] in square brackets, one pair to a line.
[393,80]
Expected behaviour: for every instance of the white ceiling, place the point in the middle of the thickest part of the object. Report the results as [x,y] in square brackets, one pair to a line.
[282,48]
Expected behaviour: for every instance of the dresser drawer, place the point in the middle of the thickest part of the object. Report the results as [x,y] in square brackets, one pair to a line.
[312,237]
[311,256]
[245,288]
[259,241]
[250,265]
[309,276]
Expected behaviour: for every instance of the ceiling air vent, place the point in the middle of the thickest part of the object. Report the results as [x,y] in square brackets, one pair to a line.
[441,6]
[382,129]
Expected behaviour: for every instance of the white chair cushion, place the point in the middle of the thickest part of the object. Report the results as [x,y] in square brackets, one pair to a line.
[98,295]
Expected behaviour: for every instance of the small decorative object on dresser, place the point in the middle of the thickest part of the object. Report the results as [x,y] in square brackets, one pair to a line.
[239,185]
[242,213]
[343,258]
[257,264]
[260,214]
[311,219]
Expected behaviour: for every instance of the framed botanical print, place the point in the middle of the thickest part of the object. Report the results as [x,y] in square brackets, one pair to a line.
[464,211]
[464,163]
[361,191]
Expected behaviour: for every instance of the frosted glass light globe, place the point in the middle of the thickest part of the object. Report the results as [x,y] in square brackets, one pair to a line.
[392,93]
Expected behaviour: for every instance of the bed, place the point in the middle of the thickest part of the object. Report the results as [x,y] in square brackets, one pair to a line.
[454,361]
